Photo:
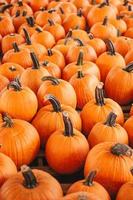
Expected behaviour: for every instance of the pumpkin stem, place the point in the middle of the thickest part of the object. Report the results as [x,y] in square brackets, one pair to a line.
[39,30]
[8,122]
[54,80]
[69,34]
[93,2]
[51,10]
[80,58]
[24,13]
[12,68]
[45,63]
[102,5]
[16,85]
[29,177]
[30,21]
[105,21]
[80,43]
[35,61]
[17,13]
[121,150]
[5,7]
[80,74]
[79,12]
[68,125]
[50,53]
[27,37]
[55,103]
[129,8]
[111,119]
[107,2]
[99,95]
[125,2]
[51,22]
[131,171]
[110,47]
[91,36]
[61,10]
[129,67]
[20,3]
[15,47]
[89,180]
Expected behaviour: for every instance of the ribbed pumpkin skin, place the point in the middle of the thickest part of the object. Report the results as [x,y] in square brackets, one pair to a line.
[80,195]
[48,188]
[20,142]
[3,82]
[125,191]
[129,127]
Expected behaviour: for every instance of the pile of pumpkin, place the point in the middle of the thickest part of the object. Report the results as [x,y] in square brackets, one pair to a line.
[66,68]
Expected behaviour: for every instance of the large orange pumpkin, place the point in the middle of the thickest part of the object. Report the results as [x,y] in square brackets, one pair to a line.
[117,172]
[37,4]
[53,113]
[3,82]
[128,127]
[80,196]
[21,6]
[70,149]
[31,185]
[15,101]
[14,132]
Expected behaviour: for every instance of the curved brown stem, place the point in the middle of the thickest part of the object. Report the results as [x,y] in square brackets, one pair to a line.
[68,125]
[69,34]
[17,13]
[99,95]
[61,10]
[79,12]
[107,2]
[35,61]
[15,85]
[5,7]
[27,37]
[39,30]
[49,51]
[12,68]
[91,36]
[80,58]
[129,8]
[129,67]
[105,21]
[102,5]
[30,21]
[111,119]
[15,47]
[121,150]
[80,43]
[89,180]
[51,10]
[8,122]
[30,180]
[51,22]
[24,13]
[110,47]
[125,2]
[54,80]
[20,3]
[80,74]
[45,63]
[55,103]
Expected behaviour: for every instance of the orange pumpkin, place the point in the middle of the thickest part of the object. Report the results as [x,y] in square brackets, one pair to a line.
[70,149]
[6,25]
[129,55]
[129,33]
[19,19]
[98,109]
[119,89]
[31,185]
[108,60]
[86,66]
[119,159]
[52,86]
[3,82]
[7,168]
[15,131]
[16,54]
[11,70]
[129,21]
[108,131]
[119,24]
[80,4]
[21,6]
[78,33]
[53,113]
[90,186]
[37,4]
[32,77]
[15,101]
[43,37]
[128,127]
[4,9]
[80,196]
[8,40]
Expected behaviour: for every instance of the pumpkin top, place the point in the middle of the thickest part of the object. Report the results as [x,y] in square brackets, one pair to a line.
[129,67]
[121,150]
[90,178]
[30,21]
[55,103]
[15,47]
[54,80]
[110,48]
[5,7]
[99,95]
[8,122]
[27,37]
[68,125]
[16,85]
[111,119]
[80,58]
[35,61]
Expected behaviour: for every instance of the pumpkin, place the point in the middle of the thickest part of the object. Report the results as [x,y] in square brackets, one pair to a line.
[31,185]
[97,43]
[19,19]
[84,86]
[129,33]
[6,25]
[126,190]
[15,101]
[37,4]
[52,86]
[89,185]
[104,30]
[86,66]
[4,9]
[80,4]
[42,18]
[73,53]
[108,60]
[8,40]
[119,89]
[80,196]
[43,37]
[119,24]
[108,131]
[100,12]
[129,55]
[74,20]
[21,7]
[52,68]
[128,128]
[119,159]
[98,109]
[7,168]
[32,77]
[14,132]
[54,56]
[129,21]
[78,33]
[3,82]
[53,113]
[74,145]
[11,70]
[55,29]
